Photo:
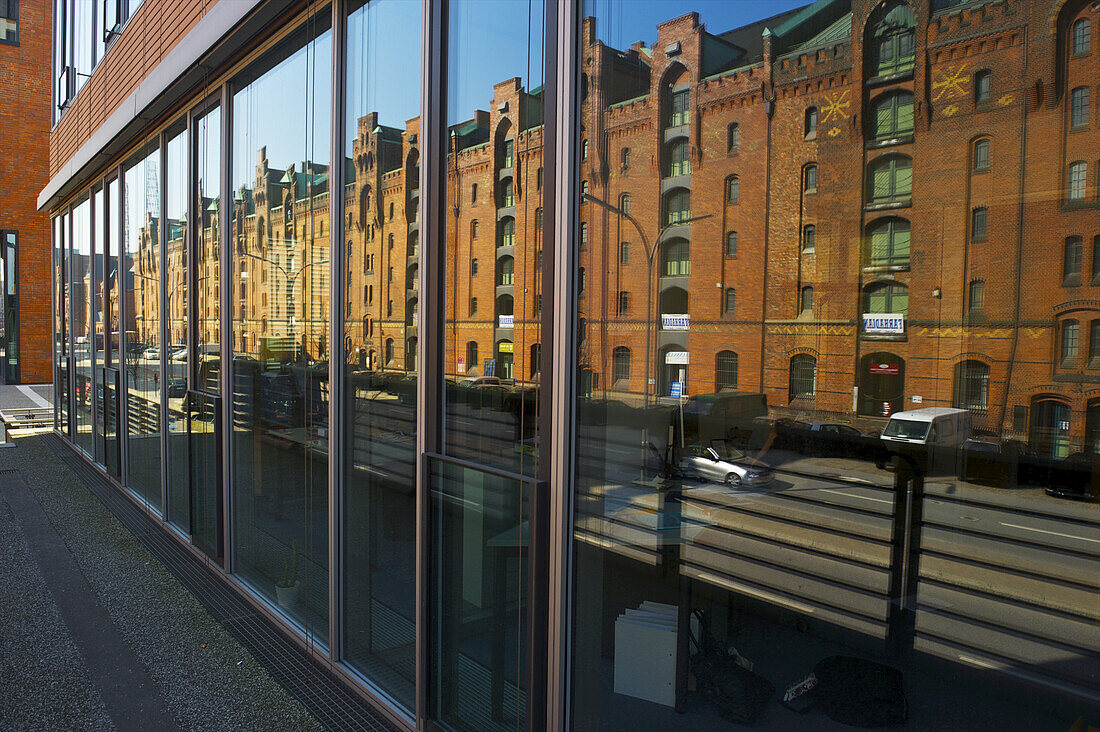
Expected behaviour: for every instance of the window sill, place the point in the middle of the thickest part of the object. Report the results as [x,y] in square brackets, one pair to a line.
[979,239]
[883,268]
[811,136]
[890,78]
[884,337]
[888,205]
[810,191]
[1072,281]
[890,141]
[980,171]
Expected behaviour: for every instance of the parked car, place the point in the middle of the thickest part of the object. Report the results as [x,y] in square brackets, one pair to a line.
[1076,478]
[991,461]
[176,388]
[726,464]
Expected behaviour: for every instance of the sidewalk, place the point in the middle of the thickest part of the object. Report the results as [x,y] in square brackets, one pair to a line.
[96,633]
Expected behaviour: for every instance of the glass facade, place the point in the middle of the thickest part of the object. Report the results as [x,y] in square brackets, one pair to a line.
[621,384]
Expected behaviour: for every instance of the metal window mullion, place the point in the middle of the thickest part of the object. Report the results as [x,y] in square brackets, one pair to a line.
[337,369]
[162,281]
[429,423]
[122,420]
[225,325]
[563,198]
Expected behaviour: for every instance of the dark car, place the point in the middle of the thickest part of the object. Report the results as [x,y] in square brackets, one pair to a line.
[176,388]
[990,461]
[1076,478]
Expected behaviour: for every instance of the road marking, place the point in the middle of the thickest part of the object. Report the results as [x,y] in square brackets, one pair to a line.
[34,397]
[1052,533]
[853,495]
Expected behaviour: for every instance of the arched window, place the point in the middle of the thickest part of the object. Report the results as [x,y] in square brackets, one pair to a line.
[809,178]
[810,131]
[1071,260]
[725,371]
[1071,332]
[410,354]
[473,306]
[972,386]
[809,237]
[1082,37]
[473,267]
[892,39]
[678,206]
[731,244]
[623,304]
[729,302]
[979,224]
[1096,260]
[389,351]
[368,327]
[507,232]
[1075,181]
[584,235]
[475,229]
[803,377]
[625,203]
[471,356]
[678,108]
[891,179]
[624,252]
[886,297]
[505,305]
[624,158]
[507,196]
[584,149]
[508,153]
[976,299]
[733,137]
[675,258]
[806,300]
[620,364]
[506,271]
[534,360]
[892,116]
[1079,107]
[983,86]
[1094,344]
[733,189]
[679,159]
[981,154]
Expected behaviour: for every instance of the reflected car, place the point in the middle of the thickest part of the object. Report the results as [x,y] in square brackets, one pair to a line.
[726,465]
[176,388]
[991,461]
[1076,478]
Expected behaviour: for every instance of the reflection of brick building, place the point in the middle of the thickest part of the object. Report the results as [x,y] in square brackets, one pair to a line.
[775,184]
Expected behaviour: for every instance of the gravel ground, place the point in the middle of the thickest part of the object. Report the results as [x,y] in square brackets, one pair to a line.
[207,679]
[44,683]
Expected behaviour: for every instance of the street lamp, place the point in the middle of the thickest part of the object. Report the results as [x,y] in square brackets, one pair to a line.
[650,252]
[290,278]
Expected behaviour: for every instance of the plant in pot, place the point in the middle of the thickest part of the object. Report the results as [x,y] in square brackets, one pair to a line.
[287,590]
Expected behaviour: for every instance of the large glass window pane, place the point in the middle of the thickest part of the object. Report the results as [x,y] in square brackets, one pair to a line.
[82,341]
[174,378]
[207,257]
[381,132]
[278,297]
[141,288]
[61,322]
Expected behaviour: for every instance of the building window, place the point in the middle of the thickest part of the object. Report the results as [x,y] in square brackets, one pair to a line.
[679,159]
[729,302]
[892,38]
[389,308]
[507,232]
[9,22]
[809,235]
[624,252]
[1070,336]
[538,179]
[473,306]
[979,224]
[584,149]
[809,178]
[584,235]
[806,300]
[981,155]
[803,377]
[509,149]
[506,271]
[678,206]
[1096,260]
[620,364]
[891,179]
[584,191]
[731,244]
[624,158]
[624,302]
[538,222]
[676,262]
[725,371]
[886,297]
[389,351]
[475,229]
[733,189]
[582,281]
[972,386]
[892,116]
[888,243]
[507,196]
[1094,344]
[733,137]
[625,203]
[1082,37]
[976,300]
[983,86]
[473,267]
[471,355]
[1075,181]
[1071,267]
[1079,108]
[810,131]
[679,108]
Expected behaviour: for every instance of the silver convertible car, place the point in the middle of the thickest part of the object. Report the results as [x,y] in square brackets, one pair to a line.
[726,465]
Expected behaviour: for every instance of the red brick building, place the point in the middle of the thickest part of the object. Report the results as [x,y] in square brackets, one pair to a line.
[25,38]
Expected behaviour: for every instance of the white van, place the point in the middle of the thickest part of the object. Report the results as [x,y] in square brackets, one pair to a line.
[931,426]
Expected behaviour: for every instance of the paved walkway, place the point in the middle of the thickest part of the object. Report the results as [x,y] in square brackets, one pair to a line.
[96,634]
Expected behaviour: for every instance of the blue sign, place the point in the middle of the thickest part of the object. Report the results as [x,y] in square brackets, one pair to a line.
[676,389]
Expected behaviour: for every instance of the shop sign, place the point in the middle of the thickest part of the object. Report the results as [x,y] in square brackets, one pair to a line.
[889,369]
[505,347]
[507,321]
[884,323]
[677,358]
[675,322]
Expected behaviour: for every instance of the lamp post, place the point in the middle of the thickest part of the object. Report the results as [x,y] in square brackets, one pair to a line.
[650,252]
[290,277]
